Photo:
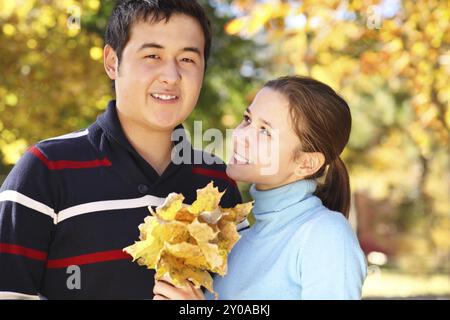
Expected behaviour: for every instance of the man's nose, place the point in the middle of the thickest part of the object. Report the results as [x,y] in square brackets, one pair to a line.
[169,73]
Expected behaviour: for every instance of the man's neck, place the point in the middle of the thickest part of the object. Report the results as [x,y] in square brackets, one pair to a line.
[153,145]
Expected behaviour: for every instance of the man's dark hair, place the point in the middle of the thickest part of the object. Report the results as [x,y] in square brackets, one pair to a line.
[128,12]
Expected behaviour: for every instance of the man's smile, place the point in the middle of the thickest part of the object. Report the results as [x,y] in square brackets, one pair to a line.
[165,97]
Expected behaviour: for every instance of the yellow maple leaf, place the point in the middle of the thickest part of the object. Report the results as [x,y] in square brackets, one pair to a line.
[170,207]
[212,254]
[228,235]
[146,251]
[190,253]
[238,213]
[184,215]
[211,217]
[201,232]
[172,232]
[180,273]
[208,199]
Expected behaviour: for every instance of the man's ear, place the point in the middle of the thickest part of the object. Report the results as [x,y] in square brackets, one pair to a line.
[110,62]
[309,163]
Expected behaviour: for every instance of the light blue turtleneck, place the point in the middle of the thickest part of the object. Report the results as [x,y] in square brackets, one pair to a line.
[297,249]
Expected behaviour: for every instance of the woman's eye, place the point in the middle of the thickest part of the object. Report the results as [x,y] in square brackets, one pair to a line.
[265,131]
[247,119]
[152,56]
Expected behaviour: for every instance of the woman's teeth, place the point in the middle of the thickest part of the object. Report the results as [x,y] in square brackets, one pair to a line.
[164,97]
[240,160]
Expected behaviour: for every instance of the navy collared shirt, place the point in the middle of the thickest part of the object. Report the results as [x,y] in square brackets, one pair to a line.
[72,203]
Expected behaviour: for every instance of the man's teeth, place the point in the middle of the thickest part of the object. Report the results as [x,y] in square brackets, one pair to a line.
[163,96]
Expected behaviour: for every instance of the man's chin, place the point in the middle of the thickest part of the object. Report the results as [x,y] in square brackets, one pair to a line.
[164,119]
[162,123]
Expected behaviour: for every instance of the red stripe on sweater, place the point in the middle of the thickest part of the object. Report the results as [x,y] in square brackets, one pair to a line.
[213,174]
[67,164]
[23,251]
[88,259]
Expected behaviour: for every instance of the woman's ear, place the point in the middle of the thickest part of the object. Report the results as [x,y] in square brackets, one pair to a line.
[110,62]
[309,163]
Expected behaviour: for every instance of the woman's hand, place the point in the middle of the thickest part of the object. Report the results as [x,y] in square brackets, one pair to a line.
[165,290]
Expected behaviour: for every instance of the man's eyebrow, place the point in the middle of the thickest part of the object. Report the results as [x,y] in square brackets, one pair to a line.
[262,120]
[158,46]
[150,45]
[193,49]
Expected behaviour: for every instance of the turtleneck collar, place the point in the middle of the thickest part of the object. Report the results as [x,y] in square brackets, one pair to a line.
[277,207]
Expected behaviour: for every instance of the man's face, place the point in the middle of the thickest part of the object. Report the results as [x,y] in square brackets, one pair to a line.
[161,72]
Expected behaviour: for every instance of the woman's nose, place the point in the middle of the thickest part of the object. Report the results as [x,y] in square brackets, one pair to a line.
[241,139]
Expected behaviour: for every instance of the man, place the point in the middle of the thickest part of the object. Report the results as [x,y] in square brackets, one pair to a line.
[72,203]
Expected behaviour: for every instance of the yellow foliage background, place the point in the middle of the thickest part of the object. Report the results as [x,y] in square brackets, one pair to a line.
[390,60]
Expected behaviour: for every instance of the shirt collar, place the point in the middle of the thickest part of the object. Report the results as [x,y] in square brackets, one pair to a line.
[269,202]
[110,124]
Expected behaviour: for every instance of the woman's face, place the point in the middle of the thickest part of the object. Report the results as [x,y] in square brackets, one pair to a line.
[265,143]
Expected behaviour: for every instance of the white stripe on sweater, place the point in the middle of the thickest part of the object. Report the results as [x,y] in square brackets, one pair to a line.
[89,207]
[69,135]
[17,197]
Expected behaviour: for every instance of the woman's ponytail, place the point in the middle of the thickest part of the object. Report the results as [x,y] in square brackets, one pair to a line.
[335,191]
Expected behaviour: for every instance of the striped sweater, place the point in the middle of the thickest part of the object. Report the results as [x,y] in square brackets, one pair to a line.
[71,204]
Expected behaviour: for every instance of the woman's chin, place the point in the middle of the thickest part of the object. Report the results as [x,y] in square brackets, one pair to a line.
[234,172]
[240,173]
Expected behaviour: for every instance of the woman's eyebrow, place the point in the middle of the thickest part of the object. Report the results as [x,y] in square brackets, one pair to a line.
[262,120]
[266,122]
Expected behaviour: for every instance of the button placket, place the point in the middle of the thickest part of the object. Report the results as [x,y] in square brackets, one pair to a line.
[143,188]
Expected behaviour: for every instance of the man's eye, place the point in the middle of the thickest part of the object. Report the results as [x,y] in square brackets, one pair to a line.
[247,119]
[188,60]
[152,56]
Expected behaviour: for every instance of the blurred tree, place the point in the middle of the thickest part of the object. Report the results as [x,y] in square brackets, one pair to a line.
[52,81]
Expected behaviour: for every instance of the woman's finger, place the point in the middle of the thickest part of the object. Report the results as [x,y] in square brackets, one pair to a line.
[196,293]
[188,292]
[168,290]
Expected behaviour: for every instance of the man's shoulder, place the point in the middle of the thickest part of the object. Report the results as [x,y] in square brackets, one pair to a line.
[72,146]
[34,175]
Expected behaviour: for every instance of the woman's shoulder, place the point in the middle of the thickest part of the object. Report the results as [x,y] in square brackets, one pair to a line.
[327,226]
[331,220]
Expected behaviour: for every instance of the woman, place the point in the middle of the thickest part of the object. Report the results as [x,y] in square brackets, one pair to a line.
[301,245]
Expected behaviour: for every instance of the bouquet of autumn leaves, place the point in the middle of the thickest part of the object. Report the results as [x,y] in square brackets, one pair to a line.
[186,242]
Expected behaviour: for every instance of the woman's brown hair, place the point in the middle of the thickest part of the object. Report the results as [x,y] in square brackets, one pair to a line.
[322,121]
